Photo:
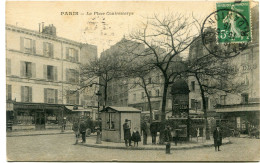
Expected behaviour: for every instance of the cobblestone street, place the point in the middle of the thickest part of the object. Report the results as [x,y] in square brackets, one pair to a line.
[60,148]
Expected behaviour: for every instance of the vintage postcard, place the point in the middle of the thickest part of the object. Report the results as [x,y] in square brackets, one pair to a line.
[132,81]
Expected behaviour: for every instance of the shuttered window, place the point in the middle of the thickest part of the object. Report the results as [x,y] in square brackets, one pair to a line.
[72,54]
[8,92]
[50,72]
[26,94]
[8,66]
[47,49]
[72,76]
[50,96]
[28,69]
[72,97]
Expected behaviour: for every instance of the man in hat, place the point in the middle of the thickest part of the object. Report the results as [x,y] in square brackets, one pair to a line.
[217,135]
[127,133]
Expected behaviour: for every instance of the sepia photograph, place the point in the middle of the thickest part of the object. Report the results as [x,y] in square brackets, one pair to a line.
[114,81]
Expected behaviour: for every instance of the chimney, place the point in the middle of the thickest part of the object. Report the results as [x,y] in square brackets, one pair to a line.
[39,27]
[42,26]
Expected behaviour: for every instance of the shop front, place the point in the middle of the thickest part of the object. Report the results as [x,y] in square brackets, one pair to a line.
[37,116]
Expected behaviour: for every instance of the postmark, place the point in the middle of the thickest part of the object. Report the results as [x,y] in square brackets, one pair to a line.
[227,31]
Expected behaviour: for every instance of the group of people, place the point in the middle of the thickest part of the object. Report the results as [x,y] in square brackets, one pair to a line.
[135,137]
[79,127]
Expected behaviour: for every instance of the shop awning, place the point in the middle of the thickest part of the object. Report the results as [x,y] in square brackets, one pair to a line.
[241,109]
[22,105]
[79,108]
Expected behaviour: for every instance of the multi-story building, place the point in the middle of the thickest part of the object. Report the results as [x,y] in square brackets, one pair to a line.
[42,76]
[242,108]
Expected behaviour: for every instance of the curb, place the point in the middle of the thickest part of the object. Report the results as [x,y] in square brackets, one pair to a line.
[150,148]
[39,134]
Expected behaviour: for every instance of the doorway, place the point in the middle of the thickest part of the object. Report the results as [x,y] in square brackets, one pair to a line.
[39,121]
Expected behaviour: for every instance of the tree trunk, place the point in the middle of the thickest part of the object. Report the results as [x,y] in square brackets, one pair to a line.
[105,94]
[202,92]
[149,100]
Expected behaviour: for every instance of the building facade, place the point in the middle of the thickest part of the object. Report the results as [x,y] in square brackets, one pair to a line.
[42,76]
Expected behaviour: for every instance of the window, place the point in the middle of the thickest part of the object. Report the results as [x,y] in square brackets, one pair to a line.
[245,98]
[50,96]
[8,66]
[207,102]
[223,99]
[134,97]
[73,76]
[246,81]
[27,45]
[142,95]
[26,94]
[157,92]
[193,85]
[150,93]
[8,92]
[50,73]
[149,80]
[193,104]
[111,122]
[72,97]
[27,69]
[72,54]
[48,49]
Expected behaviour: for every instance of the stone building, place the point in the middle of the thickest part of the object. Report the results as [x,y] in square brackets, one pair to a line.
[42,76]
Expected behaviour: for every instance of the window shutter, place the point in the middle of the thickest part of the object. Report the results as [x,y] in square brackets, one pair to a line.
[33,67]
[44,48]
[76,55]
[56,96]
[22,93]
[33,47]
[30,69]
[30,94]
[67,75]
[31,44]
[77,98]
[22,68]
[44,71]
[22,44]
[67,53]
[45,95]
[8,68]
[51,50]
[67,97]
[55,73]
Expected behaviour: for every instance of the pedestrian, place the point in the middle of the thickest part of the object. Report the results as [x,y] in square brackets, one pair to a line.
[75,128]
[144,131]
[153,129]
[167,134]
[127,133]
[82,129]
[217,135]
[64,123]
[136,137]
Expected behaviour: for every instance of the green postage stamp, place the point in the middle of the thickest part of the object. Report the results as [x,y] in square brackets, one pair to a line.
[234,24]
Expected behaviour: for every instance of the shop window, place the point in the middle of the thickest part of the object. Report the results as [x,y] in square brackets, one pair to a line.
[26,94]
[111,121]
[50,96]
[24,118]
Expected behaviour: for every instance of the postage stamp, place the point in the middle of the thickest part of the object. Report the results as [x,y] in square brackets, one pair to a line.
[235,25]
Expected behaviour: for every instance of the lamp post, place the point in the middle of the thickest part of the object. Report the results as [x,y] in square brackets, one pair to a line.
[98,141]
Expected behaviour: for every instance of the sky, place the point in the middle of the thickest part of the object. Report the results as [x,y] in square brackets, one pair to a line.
[100,30]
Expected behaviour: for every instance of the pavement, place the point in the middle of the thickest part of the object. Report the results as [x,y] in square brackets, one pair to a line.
[201,143]
[91,141]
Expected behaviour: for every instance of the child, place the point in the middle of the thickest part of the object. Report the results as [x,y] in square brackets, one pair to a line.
[136,136]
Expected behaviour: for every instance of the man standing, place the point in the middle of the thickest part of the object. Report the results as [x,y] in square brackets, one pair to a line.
[127,133]
[217,135]
[75,128]
[82,129]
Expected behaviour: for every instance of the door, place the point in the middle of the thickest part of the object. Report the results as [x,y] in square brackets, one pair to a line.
[40,121]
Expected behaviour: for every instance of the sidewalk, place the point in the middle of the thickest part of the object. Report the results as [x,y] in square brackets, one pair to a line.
[91,142]
[37,132]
